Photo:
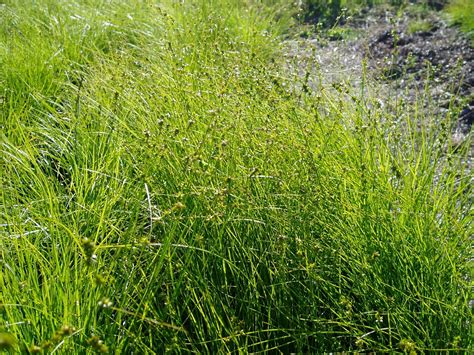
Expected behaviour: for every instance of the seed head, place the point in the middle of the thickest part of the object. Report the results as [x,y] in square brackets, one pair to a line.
[98,344]
[34,349]
[100,279]
[407,346]
[89,248]
[67,330]
[105,303]
[178,206]
[47,344]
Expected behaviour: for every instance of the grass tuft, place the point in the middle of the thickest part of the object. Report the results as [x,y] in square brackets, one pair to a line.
[461,12]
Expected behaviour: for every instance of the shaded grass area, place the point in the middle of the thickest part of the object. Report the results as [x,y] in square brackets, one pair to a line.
[166,187]
[331,13]
[328,13]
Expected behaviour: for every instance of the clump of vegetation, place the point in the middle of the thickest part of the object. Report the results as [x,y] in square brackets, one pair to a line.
[165,187]
[419,26]
[462,13]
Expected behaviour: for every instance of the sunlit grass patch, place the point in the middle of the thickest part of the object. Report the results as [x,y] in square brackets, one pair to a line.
[165,187]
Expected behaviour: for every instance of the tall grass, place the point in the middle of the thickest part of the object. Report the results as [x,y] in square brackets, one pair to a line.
[166,188]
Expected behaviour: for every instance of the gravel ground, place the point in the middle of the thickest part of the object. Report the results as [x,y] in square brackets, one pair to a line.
[397,53]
